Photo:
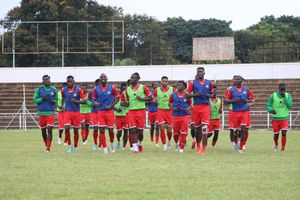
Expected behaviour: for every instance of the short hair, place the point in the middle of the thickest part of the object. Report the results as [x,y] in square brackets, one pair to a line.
[137,74]
[46,76]
[184,83]
[164,77]
[281,85]
[97,81]
[64,84]
[200,68]
[70,76]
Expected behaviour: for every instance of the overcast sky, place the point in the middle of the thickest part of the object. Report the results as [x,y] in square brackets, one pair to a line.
[242,13]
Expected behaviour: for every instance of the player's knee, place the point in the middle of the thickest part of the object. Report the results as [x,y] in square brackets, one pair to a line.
[204,128]
[283,133]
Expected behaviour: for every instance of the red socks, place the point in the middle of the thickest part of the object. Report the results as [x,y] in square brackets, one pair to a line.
[76,138]
[176,137]
[163,136]
[283,142]
[95,136]
[213,143]
[111,137]
[48,145]
[68,137]
[102,140]
[182,140]
[169,133]
[156,139]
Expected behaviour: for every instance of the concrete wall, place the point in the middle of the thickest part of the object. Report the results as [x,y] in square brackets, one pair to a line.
[151,73]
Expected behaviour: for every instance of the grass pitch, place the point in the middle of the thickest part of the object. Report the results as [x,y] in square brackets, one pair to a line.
[28,172]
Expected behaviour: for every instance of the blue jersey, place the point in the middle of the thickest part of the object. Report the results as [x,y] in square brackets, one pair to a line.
[105,98]
[46,106]
[70,106]
[181,103]
[94,108]
[152,107]
[242,95]
[204,91]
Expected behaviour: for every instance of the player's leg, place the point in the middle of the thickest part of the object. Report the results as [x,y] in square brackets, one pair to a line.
[102,125]
[110,124]
[176,130]
[161,124]
[284,128]
[76,124]
[125,138]
[151,119]
[141,119]
[204,130]
[283,139]
[83,132]
[183,133]
[193,134]
[50,124]
[156,134]
[215,138]
[168,120]
[61,127]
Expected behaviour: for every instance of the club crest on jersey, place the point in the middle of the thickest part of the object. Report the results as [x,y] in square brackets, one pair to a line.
[207,86]
[244,92]
[108,92]
[52,93]
[74,95]
[184,100]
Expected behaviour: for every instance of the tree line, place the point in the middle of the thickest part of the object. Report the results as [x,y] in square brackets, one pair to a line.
[147,41]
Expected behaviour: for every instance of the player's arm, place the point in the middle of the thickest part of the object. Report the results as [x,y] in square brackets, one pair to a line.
[36,97]
[147,94]
[54,99]
[270,105]
[212,91]
[82,98]
[288,101]
[171,103]
[221,108]
[190,90]
[124,99]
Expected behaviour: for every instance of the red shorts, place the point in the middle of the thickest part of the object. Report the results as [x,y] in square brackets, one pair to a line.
[279,125]
[121,122]
[61,123]
[180,124]
[85,118]
[94,118]
[230,121]
[201,114]
[136,118]
[248,120]
[152,117]
[239,119]
[106,118]
[214,125]
[164,116]
[72,118]
[46,120]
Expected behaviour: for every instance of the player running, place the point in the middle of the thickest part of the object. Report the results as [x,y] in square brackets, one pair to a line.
[85,115]
[134,97]
[201,90]
[279,104]
[45,96]
[214,122]
[239,96]
[181,108]
[164,112]
[152,116]
[71,95]
[121,120]
[106,95]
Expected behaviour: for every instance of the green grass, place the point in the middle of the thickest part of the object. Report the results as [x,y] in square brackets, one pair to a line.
[28,172]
